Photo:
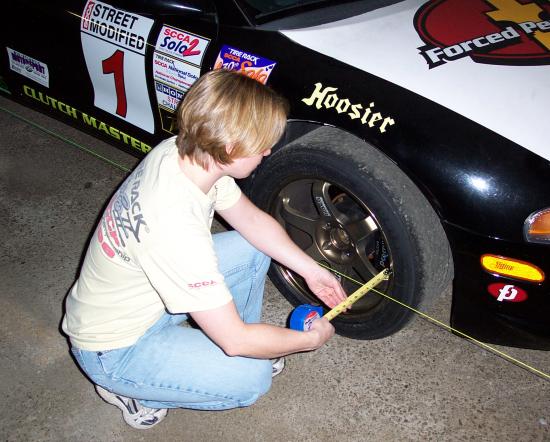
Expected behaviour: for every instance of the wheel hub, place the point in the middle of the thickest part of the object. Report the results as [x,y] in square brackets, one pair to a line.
[335,243]
[340,238]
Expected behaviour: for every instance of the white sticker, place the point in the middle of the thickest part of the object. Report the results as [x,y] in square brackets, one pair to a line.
[182,45]
[174,72]
[168,97]
[114,43]
[29,67]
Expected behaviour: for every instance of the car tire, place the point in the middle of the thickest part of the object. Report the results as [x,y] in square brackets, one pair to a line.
[352,209]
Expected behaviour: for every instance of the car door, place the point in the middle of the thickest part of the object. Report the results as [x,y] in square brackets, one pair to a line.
[118,68]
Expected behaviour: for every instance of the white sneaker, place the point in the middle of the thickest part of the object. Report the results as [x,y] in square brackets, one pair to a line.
[133,413]
[278,366]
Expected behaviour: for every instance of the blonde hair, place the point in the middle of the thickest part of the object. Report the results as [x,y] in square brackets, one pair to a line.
[228,108]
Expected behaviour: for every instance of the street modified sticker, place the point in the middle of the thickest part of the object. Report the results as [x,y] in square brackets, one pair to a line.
[177,64]
[501,32]
[114,43]
[29,67]
[256,67]
[507,292]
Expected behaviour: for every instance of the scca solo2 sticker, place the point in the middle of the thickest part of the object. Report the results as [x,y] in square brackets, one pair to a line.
[503,32]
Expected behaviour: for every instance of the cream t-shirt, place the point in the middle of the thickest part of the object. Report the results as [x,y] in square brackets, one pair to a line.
[152,251]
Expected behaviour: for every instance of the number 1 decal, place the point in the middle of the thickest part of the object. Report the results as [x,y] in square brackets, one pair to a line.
[114,46]
[115,65]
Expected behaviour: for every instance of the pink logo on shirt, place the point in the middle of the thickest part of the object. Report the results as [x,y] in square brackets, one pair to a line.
[197,285]
[106,248]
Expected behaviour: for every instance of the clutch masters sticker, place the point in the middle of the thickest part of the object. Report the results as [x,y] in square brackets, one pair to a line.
[29,67]
[503,32]
[176,66]
[256,67]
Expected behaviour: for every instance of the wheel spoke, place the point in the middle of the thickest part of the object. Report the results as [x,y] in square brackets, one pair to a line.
[361,231]
[322,201]
[313,252]
[297,219]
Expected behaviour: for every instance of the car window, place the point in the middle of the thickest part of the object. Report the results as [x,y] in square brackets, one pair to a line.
[300,13]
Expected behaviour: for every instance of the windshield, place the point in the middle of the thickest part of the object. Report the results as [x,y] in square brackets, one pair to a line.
[294,12]
[263,7]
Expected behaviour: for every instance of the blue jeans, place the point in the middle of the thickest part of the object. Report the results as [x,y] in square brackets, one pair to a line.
[172,366]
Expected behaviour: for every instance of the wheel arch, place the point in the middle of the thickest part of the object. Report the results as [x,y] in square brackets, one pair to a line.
[300,132]
[297,129]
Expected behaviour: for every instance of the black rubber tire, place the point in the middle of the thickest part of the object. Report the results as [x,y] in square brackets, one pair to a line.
[331,175]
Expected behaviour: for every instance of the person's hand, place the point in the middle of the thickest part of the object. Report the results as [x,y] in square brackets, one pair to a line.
[325,286]
[323,331]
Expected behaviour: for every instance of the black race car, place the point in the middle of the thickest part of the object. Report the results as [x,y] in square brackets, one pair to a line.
[415,141]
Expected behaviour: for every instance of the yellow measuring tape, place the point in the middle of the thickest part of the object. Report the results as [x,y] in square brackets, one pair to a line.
[365,288]
[369,286]
[358,294]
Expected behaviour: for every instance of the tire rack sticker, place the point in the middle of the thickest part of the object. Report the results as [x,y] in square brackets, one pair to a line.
[29,67]
[114,42]
[176,66]
[256,67]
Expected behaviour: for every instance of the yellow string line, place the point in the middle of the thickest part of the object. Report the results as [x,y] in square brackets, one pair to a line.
[449,328]
[418,312]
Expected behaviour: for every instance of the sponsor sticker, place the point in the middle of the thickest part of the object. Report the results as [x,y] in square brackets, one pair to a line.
[121,28]
[501,32]
[182,45]
[167,96]
[256,67]
[176,66]
[29,67]
[326,97]
[174,73]
[507,292]
[114,43]
[89,120]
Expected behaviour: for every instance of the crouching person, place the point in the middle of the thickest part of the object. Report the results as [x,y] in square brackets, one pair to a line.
[153,263]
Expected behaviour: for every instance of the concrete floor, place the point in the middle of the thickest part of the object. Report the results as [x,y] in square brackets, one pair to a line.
[420,384]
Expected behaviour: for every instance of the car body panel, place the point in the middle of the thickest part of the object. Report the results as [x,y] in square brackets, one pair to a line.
[433,123]
[506,99]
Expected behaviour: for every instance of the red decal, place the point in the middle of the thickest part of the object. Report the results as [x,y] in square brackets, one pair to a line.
[507,292]
[87,14]
[509,32]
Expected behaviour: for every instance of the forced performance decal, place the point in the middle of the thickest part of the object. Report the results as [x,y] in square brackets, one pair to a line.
[176,66]
[100,126]
[114,43]
[326,97]
[502,32]
[507,292]
[256,67]
[29,67]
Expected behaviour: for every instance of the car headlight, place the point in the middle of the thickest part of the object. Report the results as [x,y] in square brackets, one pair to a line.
[537,227]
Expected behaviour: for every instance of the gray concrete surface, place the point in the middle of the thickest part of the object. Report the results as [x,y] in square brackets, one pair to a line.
[421,384]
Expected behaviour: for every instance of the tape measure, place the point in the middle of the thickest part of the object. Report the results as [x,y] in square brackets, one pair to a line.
[303,316]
